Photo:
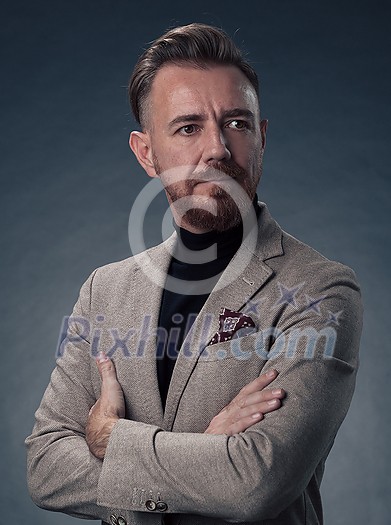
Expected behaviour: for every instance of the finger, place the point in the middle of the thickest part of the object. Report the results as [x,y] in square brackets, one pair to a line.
[263,407]
[270,406]
[263,395]
[244,423]
[260,382]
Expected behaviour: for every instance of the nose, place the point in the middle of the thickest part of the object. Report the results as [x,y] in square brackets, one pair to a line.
[216,147]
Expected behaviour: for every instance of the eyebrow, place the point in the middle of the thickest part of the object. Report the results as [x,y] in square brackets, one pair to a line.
[191,117]
[239,112]
[197,117]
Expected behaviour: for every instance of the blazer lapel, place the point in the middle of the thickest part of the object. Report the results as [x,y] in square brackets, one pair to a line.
[147,287]
[244,276]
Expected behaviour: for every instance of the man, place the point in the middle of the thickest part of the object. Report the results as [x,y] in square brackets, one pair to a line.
[174,423]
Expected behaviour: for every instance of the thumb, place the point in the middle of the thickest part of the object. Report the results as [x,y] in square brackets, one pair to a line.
[106,368]
[111,392]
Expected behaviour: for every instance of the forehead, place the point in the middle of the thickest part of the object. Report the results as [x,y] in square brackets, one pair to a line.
[187,89]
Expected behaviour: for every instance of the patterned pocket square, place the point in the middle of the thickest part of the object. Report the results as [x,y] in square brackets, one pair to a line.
[232,325]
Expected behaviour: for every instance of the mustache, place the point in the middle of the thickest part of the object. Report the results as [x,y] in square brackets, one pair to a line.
[219,171]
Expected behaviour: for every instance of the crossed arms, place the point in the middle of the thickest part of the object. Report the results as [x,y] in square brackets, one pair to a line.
[253,474]
[246,409]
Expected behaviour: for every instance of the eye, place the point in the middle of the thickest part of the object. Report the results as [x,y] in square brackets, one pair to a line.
[189,129]
[238,124]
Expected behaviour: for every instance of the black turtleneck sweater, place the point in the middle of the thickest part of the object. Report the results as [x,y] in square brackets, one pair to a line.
[178,310]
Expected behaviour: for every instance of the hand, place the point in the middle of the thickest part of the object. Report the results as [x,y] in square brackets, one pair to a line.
[107,410]
[248,407]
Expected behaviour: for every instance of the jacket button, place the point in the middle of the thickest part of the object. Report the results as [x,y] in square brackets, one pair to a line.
[117,521]
[150,504]
[161,506]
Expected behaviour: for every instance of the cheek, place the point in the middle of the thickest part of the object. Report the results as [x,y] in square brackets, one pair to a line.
[176,163]
[254,158]
[178,151]
[173,158]
[245,146]
[245,157]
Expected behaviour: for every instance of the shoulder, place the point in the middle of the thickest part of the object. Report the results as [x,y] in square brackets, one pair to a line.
[293,259]
[306,285]
[119,272]
[303,261]
[310,288]
[116,278]
[309,292]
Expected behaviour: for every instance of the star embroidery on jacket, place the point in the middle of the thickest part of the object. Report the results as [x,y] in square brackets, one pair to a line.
[333,318]
[288,295]
[252,306]
[313,304]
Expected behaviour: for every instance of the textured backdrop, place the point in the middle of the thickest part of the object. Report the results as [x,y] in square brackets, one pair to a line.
[69,180]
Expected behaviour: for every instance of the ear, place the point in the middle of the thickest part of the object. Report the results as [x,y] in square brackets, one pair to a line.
[263,128]
[140,144]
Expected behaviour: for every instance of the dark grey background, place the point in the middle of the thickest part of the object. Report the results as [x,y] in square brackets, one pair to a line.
[69,180]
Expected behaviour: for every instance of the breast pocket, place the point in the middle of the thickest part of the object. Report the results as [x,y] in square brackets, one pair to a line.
[220,373]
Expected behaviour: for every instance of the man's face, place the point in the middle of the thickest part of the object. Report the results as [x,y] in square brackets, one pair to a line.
[205,141]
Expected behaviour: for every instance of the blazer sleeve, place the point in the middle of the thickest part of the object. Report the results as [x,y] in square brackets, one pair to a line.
[256,474]
[62,474]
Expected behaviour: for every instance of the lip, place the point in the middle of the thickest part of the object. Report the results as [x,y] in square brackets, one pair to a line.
[211,184]
[216,180]
[208,181]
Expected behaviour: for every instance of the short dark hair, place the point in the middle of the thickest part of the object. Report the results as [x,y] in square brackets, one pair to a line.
[197,44]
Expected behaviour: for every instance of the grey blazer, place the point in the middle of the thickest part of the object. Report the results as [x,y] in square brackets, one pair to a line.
[161,467]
